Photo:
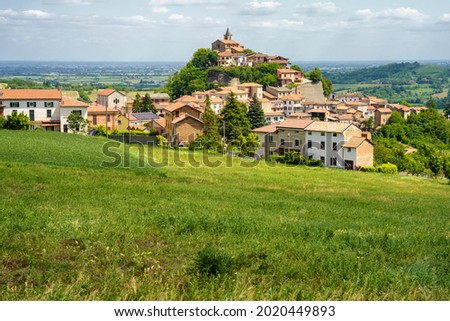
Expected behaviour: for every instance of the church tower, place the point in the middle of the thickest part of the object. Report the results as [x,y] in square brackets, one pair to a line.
[227,35]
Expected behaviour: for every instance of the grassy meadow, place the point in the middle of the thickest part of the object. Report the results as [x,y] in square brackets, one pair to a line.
[71,229]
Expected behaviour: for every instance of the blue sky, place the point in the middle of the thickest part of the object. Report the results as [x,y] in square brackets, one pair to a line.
[171,30]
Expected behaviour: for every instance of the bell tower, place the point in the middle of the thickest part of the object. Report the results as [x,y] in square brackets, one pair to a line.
[227,35]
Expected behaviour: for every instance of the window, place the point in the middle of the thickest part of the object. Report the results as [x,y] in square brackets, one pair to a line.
[49,113]
[31,104]
[116,101]
[108,118]
[322,145]
[297,142]
[49,104]
[322,159]
[309,144]
[282,142]
[334,146]
[349,150]
[333,161]
[94,119]
[14,111]
[322,134]
[76,112]
[270,139]
[31,115]
[119,122]
[309,133]
[334,134]
[14,104]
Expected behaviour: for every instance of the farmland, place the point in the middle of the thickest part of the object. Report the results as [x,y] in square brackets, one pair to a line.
[74,230]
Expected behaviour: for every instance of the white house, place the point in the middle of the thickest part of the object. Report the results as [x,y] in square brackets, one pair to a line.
[112,98]
[70,106]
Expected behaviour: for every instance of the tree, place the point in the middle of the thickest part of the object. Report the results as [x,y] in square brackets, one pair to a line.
[17,121]
[431,103]
[315,75]
[76,122]
[148,105]
[396,118]
[235,121]
[447,110]
[249,144]
[447,168]
[210,125]
[204,58]
[296,67]
[255,113]
[136,107]
[369,124]
[405,103]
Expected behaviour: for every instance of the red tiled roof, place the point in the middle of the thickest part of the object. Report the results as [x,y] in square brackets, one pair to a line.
[95,108]
[292,97]
[354,142]
[272,128]
[295,123]
[69,102]
[183,117]
[107,92]
[160,121]
[31,94]
[384,110]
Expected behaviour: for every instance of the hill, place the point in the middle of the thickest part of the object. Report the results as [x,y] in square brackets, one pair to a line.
[72,230]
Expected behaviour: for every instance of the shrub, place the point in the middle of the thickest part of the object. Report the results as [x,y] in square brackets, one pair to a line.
[162,141]
[293,157]
[2,122]
[17,121]
[100,130]
[388,169]
[314,162]
[211,262]
[369,169]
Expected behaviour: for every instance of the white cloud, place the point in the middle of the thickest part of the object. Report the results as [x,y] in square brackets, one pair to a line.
[445,18]
[282,24]
[391,14]
[318,8]
[175,17]
[260,8]
[213,21]
[8,13]
[160,10]
[75,2]
[36,14]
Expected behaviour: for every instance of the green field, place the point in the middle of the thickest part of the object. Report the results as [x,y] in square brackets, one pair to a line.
[72,230]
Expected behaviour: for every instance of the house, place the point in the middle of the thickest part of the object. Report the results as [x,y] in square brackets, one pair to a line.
[70,106]
[382,115]
[300,116]
[252,89]
[112,98]
[292,136]
[320,114]
[350,97]
[227,44]
[217,104]
[278,92]
[357,152]
[274,117]
[280,60]
[102,115]
[42,106]
[160,98]
[183,123]
[405,111]
[292,103]
[325,141]
[268,136]
[287,76]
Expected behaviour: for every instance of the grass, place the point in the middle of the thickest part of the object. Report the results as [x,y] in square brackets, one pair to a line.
[71,230]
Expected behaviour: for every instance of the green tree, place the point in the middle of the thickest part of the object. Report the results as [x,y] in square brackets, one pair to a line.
[17,121]
[447,110]
[255,113]
[76,122]
[396,118]
[136,107]
[369,124]
[204,58]
[210,125]
[249,144]
[405,103]
[431,103]
[234,118]
[315,75]
[327,86]
[296,67]
[148,105]
[447,168]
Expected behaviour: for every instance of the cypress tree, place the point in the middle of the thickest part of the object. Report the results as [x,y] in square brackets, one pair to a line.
[136,108]
[234,119]
[148,105]
[210,124]
[255,113]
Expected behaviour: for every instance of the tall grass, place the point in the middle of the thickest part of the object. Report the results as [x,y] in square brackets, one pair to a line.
[70,230]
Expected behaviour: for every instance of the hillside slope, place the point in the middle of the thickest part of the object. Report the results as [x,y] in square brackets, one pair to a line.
[212,232]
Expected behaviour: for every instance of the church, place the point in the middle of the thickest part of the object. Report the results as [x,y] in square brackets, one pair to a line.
[227,44]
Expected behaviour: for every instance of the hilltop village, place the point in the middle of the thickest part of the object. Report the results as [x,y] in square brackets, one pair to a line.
[333,129]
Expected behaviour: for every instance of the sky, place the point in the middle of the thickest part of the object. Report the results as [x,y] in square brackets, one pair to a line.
[171,30]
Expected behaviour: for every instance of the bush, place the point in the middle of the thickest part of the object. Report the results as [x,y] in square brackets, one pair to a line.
[100,130]
[162,141]
[17,121]
[2,122]
[294,158]
[388,169]
[212,262]
[314,163]
[369,169]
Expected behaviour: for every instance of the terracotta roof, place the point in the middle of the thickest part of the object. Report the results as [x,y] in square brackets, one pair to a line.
[295,123]
[216,100]
[356,103]
[345,117]
[95,108]
[321,111]
[31,94]
[293,97]
[299,115]
[272,128]
[399,107]
[183,117]
[268,95]
[370,107]
[174,106]
[107,92]
[160,121]
[354,142]
[188,99]
[277,113]
[351,95]
[351,111]
[288,71]
[69,102]
[225,54]
[324,126]
[384,110]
